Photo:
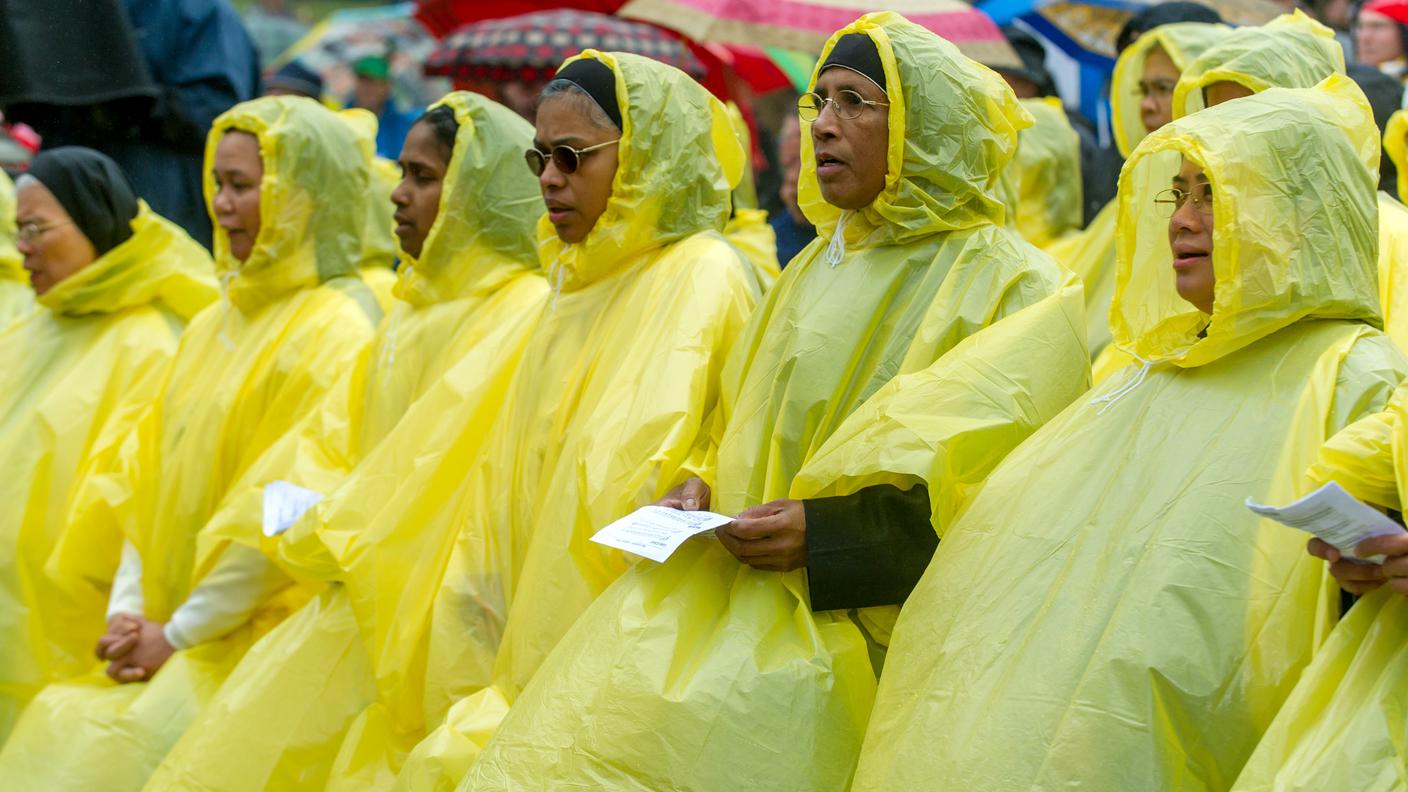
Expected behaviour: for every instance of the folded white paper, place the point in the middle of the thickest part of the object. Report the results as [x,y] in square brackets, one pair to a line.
[657,532]
[284,504]
[1335,516]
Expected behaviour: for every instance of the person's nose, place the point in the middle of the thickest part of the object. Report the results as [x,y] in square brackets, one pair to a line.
[551,177]
[827,124]
[222,202]
[25,247]
[401,196]
[1187,218]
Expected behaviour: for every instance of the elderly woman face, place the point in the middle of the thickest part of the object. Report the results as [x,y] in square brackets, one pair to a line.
[52,245]
[239,170]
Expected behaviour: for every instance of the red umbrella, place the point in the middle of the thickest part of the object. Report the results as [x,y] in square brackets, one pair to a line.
[530,47]
[443,16]
[805,25]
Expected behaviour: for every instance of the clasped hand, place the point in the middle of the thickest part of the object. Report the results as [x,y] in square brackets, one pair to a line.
[134,646]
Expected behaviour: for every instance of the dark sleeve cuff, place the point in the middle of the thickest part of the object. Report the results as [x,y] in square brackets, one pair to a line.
[869,548]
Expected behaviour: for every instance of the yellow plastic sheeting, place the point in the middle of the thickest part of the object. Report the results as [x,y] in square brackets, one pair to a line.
[379,244]
[618,379]
[1396,145]
[1144,634]
[1345,726]
[1047,170]
[246,371]
[620,403]
[1091,253]
[702,673]
[77,373]
[16,297]
[471,297]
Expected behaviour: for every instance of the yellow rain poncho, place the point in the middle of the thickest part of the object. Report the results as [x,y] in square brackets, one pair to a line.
[16,297]
[1295,51]
[915,341]
[293,318]
[1343,726]
[1143,634]
[615,394]
[473,296]
[1090,254]
[1047,171]
[78,372]
[747,229]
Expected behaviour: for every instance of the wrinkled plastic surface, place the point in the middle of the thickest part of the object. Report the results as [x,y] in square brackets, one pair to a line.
[1345,726]
[1047,171]
[246,371]
[16,297]
[473,295]
[614,394]
[748,229]
[77,374]
[1090,254]
[1144,634]
[704,674]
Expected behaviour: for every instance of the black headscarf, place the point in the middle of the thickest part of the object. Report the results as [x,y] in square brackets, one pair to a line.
[92,189]
[856,51]
[597,79]
[1163,14]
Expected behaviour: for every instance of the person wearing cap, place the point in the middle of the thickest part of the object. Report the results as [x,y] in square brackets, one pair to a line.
[892,363]
[372,92]
[1381,37]
[295,79]
[116,284]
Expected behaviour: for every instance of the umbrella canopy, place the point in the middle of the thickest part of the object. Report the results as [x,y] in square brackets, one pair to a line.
[530,47]
[444,16]
[805,25]
[389,31]
[1087,29]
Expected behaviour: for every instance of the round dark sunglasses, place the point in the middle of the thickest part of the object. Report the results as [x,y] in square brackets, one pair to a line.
[566,158]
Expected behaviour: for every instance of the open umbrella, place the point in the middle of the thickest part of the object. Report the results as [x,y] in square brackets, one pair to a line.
[1086,29]
[530,47]
[445,16]
[389,31]
[805,25]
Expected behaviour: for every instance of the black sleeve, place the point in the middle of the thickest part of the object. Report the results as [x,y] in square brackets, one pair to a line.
[868,548]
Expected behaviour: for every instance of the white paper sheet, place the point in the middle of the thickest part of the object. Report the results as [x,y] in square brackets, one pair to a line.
[1335,516]
[284,504]
[657,532]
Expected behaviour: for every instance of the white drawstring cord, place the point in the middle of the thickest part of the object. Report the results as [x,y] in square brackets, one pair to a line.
[1113,396]
[557,276]
[225,281]
[836,248]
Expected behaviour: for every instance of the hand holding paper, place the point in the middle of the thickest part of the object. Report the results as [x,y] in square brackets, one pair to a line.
[1333,515]
[657,532]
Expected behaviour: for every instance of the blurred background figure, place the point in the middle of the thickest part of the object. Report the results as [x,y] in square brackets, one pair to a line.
[372,92]
[1380,36]
[139,80]
[295,79]
[793,229]
[1385,95]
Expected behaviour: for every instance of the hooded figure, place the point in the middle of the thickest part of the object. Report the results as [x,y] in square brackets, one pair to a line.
[1091,253]
[614,396]
[1047,171]
[78,371]
[1295,51]
[470,301]
[1143,635]
[748,229]
[1342,726]
[293,318]
[16,298]
[893,362]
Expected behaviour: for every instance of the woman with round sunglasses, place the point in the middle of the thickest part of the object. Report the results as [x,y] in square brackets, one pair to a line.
[614,395]
[861,403]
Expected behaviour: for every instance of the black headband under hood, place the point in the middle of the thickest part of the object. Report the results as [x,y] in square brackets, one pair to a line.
[92,189]
[857,52]
[597,79]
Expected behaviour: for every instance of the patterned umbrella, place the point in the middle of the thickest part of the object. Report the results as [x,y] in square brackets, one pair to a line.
[530,47]
[334,44]
[805,25]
